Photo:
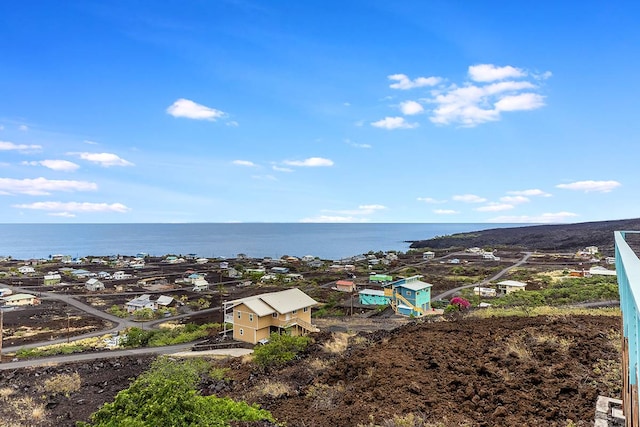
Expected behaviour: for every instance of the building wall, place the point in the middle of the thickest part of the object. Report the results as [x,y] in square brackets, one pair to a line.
[249,327]
[367,299]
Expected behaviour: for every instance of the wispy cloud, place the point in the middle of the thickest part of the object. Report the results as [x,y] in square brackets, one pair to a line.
[430,200]
[489,72]
[56,165]
[545,218]
[530,192]
[192,110]
[88,142]
[264,177]
[362,210]
[403,82]
[591,186]
[391,123]
[104,159]
[67,207]
[42,186]
[281,169]
[355,144]
[330,218]
[514,200]
[445,212]
[23,128]
[410,108]
[247,163]
[468,198]
[310,162]
[494,207]
[10,146]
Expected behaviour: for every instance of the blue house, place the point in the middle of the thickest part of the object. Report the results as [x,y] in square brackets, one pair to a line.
[410,296]
[373,297]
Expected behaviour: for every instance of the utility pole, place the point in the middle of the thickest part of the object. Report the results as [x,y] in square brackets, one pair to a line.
[68,331]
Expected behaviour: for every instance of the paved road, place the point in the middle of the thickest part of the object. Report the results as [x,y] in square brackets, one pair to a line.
[120,324]
[485,281]
[68,358]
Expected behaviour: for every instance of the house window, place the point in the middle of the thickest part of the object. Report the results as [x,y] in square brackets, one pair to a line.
[251,317]
[275,315]
[408,293]
[239,315]
[241,331]
[305,309]
[294,311]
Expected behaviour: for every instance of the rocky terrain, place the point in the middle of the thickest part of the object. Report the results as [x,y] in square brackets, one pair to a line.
[473,372]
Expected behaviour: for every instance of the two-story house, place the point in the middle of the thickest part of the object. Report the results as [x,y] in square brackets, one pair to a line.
[255,318]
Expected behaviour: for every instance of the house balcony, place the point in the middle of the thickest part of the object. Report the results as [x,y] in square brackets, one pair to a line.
[627,245]
[294,321]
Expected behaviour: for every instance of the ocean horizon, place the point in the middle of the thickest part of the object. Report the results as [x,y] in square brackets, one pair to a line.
[324,240]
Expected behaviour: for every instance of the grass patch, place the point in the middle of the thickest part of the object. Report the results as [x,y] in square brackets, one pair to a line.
[137,337]
[543,311]
[338,344]
[62,384]
[274,389]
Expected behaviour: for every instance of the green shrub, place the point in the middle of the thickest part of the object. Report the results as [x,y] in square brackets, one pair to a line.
[280,349]
[166,396]
[116,310]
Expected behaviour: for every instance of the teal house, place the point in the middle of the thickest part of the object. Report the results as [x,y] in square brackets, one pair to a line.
[373,297]
[410,296]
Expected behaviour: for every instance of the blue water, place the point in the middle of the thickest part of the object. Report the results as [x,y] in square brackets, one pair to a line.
[327,241]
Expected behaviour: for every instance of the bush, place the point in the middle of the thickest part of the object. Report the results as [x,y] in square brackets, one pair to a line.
[280,349]
[166,396]
[62,384]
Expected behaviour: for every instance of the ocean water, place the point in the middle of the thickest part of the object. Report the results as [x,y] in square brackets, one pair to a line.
[327,241]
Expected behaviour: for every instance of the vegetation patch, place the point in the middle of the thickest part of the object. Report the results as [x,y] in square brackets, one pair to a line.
[280,349]
[137,337]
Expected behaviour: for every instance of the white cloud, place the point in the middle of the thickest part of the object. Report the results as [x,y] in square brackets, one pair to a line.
[403,82]
[62,214]
[23,128]
[469,198]
[391,123]
[86,141]
[495,207]
[355,144]
[233,123]
[66,207]
[191,110]
[489,91]
[523,101]
[8,146]
[244,163]
[430,200]
[104,159]
[281,169]
[329,218]
[530,192]
[514,200]
[591,186]
[56,165]
[410,108]
[42,186]
[310,162]
[545,218]
[445,212]
[362,210]
[489,72]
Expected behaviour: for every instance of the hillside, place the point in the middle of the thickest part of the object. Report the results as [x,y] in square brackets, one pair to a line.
[561,237]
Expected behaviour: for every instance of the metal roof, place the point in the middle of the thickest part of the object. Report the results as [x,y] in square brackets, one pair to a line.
[282,302]
[416,285]
[372,292]
[164,300]
[18,297]
[514,283]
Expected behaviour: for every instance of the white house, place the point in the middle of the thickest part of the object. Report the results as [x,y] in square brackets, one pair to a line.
[308,258]
[140,303]
[20,299]
[94,285]
[202,260]
[200,284]
[591,250]
[508,286]
[484,292]
[602,271]
[26,269]
[5,292]
[428,255]
[51,279]
[120,275]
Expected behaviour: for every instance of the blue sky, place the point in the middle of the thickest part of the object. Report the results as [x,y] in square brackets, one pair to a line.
[319,111]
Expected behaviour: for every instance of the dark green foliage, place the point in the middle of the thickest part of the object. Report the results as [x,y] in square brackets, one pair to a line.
[166,396]
[137,337]
[280,349]
[568,291]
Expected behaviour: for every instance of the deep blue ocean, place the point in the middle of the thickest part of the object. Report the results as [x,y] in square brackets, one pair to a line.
[327,241]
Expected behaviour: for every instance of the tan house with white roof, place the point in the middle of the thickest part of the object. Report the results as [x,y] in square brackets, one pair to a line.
[255,318]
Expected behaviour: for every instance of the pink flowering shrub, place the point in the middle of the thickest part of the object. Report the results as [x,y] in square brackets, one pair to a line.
[461,303]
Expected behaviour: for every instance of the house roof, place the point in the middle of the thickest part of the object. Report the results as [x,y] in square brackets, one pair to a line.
[413,283]
[372,292]
[164,300]
[282,302]
[512,283]
[344,282]
[142,300]
[18,297]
